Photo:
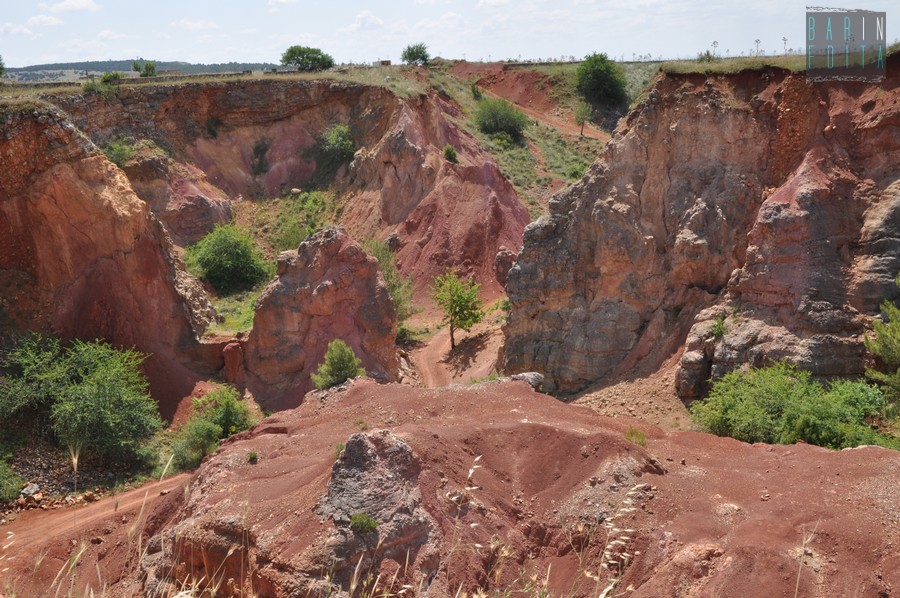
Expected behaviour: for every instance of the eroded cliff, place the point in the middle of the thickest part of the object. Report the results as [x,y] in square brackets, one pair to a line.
[759,199]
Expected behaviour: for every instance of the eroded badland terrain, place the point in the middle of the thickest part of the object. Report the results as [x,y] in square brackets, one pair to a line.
[729,221]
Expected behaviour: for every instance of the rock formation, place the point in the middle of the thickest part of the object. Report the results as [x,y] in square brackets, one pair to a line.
[82,257]
[327,289]
[757,198]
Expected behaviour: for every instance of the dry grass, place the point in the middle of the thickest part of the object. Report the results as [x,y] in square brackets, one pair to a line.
[724,66]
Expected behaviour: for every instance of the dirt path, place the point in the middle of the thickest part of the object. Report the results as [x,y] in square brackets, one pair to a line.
[36,542]
[475,355]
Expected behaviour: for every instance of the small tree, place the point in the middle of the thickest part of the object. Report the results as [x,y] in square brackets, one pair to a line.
[147,70]
[459,300]
[600,81]
[582,115]
[886,345]
[227,258]
[340,364]
[495,116]
[307,59]
[416,54]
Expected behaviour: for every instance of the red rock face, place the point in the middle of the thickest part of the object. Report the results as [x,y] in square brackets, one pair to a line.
[757,198]
[328,289]
[82,256]
[445,215]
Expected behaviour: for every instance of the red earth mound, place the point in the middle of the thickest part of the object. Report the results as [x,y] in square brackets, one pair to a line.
[492,486]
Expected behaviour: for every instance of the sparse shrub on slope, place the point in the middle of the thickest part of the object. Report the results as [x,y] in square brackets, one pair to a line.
[219,414]
[340,365]
[334,149]
[119,152]
[781,404]
[228,259]
[400,288]
[886,346]
[497,117]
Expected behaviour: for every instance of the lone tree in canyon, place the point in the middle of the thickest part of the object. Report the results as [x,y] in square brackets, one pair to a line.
[459,300]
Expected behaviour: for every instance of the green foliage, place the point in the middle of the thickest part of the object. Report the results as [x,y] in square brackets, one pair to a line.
[636,436]
[111,78]
[707,56]
[228,259]
[237,311]
[258,163]
[450,154]
[886,346]
[477,94]
[335,148]
[252,457]
[2,67]
[107,90]
[400,287]
[119,152]
[718,328]
[106,407]
[459,301]
[781,404]
[361,523]
[582,115]
[91,396]
[219,414]
[600,81]
[148,69]
[498,116]
[307,59]
[10,484]
[212,126]
[338,449]
[416,54]
[340,364]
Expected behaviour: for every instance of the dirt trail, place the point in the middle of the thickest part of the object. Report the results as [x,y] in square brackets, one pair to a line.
[25,540]
[475,355]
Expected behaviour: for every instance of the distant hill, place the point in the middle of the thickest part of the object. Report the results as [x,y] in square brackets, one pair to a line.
[73,70]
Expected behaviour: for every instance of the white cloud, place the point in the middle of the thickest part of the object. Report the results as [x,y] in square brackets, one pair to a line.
[493,2]
[193,25]
[365,21]
[72,6]
[112,35]
[11,29]
[43,21]
[281,2]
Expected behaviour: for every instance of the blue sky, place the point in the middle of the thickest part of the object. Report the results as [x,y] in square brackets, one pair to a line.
[259,30]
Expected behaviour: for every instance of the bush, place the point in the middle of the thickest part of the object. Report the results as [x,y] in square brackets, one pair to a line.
[333,150]
[340,365]
[258,163]
[636,436]
[494,117]
[361,523]
[400,288]
[781,404]
[718,328]
[91,396]
[477,94]
[10,484]
[459,301]
[300,216]
[119,152]
[416,54]
[2,67]
[217,415]
[307,59]
[147,70]
[450,154]
[228,259]
[600,81]
[886,346]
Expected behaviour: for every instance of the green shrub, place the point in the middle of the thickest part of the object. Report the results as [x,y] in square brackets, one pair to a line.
[338,449]
[217,415]
[361,523]
[886,346]
[450,154]
[228,259]
[477,94]
[781,404]
[340,365]
[334,149]
[718,328]
[10,484]
[400,287]
[636,436]
[111,78]
[494,117]
[119,152]
[107,90]
[147,70]
[252,457]
[458,298]
[258,163]
[416,54]
[91,396]
[600,81]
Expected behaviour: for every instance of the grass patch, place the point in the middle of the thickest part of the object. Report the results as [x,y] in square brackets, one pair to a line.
[565,160]
[796,64]
[489,378]
[283,223]
[361,523]
[237,311]
[636,436]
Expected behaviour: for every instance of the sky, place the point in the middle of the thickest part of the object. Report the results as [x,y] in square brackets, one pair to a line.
[212,31]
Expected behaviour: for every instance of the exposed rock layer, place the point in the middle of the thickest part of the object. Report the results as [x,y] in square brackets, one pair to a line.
[772,199]
[327,289]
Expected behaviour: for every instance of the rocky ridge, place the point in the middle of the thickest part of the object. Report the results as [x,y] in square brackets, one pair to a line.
[757,199]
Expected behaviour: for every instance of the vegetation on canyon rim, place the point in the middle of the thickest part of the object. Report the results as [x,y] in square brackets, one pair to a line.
[307,59]
[217,415]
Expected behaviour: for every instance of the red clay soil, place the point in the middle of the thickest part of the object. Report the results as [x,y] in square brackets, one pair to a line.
[696,515]
[474,357]
[527,89]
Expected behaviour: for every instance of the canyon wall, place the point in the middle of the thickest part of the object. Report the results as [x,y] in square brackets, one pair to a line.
[759,200]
